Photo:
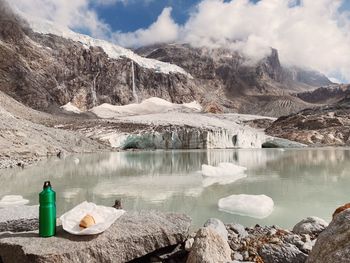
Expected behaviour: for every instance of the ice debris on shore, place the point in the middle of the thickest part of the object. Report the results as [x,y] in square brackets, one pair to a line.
[149,106]
[71,108]
[257,206]
[12,200]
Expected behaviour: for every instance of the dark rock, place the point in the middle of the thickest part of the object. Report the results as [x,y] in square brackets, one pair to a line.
[282,143]
[238,229]
[132,236]
[285,253]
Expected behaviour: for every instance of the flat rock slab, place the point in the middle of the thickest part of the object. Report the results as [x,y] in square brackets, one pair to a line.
[132,236]
[19,218]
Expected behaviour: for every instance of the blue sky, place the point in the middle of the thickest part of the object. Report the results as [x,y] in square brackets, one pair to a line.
[140,13]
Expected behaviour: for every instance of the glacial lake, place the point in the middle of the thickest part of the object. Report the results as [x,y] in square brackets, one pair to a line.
[302,182]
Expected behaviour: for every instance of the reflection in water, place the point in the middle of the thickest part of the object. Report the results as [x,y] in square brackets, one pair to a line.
[302,182]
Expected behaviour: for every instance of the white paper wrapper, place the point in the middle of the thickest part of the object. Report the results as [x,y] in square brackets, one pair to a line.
[104,218]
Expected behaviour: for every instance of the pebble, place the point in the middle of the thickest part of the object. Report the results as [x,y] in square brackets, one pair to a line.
[237,256]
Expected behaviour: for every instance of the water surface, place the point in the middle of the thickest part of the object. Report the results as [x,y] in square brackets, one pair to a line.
[302,182]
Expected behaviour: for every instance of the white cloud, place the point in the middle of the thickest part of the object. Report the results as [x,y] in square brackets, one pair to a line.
[76,14]
[314,34]
[163,30]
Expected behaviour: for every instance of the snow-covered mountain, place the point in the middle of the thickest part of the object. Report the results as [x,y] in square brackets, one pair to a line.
[113,51]
[55,66]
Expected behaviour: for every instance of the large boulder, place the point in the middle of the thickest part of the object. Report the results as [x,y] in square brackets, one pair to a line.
[218,226]
[311,226]
[19,218]
[132,236]
[333,244]
[209,247]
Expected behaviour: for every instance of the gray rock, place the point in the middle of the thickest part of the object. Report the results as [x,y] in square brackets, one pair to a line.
[188,244]
[282,143]
[218,226]
[311,225]
[209,247]
[286,253]
[131,236]
[238,229]
[307,246]
[237,256]
[19,218]
[333,244]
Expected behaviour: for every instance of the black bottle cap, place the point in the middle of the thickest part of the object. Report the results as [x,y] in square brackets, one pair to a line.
[47,184]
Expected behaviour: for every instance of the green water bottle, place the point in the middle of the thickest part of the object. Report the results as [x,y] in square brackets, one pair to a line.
[47,211]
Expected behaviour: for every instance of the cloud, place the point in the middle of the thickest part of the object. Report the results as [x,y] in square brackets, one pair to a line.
[307,33]
[76,14]
[163,30]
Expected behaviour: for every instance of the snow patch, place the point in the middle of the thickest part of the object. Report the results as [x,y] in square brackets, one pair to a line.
[113,51]
[71,108]
[257,206]
[13,200]
[149,106]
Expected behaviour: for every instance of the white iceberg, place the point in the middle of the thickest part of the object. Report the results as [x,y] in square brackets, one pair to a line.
[13,200]
[223,169]
[257,206]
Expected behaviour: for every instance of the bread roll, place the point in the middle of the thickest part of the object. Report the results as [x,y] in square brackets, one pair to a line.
[87,221]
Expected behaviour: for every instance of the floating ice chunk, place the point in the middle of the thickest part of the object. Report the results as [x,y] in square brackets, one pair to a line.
[257,206]
[13,200]
[71,108]
[223,169]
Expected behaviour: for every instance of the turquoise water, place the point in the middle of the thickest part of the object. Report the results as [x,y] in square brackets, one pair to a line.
[302,182]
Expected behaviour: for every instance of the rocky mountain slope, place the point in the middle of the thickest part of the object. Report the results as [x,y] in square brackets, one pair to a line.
[48,71]
[319,126]
[265,88]
[45,66]
[24,140]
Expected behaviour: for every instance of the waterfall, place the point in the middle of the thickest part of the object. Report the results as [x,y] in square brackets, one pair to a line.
[93,90]
[133,83]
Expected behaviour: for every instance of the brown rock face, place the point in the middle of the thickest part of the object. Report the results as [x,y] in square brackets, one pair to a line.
[326,125]
[341,209]
[333,244]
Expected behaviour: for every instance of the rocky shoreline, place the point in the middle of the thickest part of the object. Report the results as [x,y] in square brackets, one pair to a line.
[165,237]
